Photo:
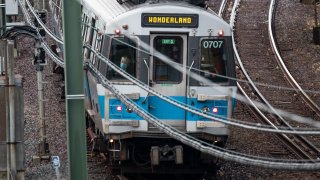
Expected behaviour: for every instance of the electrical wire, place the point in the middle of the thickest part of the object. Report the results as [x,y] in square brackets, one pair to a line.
[222,153]
[194,110]
[203,146]
[59,62]
[56,38]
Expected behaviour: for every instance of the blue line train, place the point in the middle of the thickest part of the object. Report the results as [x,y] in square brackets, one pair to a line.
[187,34]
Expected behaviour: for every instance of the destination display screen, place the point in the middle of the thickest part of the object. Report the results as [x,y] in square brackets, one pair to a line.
[168,41]
[169,20]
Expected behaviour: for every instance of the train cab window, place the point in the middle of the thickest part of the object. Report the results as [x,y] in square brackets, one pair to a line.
[97,47]
[91,34]
[213,59]
[85,26]
[122,54]
[172,47]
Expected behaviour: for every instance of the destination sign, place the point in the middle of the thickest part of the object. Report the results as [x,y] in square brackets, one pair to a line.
[169,20]
[168,41]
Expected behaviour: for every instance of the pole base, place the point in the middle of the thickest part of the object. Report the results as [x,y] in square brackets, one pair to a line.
[37,159]
[43,148]
[316,35]
[306,1]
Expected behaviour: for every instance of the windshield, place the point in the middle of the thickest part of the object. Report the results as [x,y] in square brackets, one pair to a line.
[213,59]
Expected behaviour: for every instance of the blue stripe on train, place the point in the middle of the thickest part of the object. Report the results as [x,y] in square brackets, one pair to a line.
[101,106]
[163,110]
[221,105]
[124,114]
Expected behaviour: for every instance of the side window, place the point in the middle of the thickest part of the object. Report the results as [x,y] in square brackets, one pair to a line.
[102,66]
[122,54]
[94,46]
[213,59]
[84,25]
[97,47]
[91,35]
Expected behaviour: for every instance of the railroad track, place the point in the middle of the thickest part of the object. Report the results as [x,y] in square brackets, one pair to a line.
[308,100]
[96,162]
[297,144]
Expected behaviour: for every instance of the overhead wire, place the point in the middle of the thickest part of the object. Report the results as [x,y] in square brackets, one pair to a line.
[53,56]
[197,77]
[203,146]
[59,40]
[51,34]
[60,63]
[214,74]
[243,124]
[220,152]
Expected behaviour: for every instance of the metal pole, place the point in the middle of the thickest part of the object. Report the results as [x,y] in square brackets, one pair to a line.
[43,147]
[315,14]
[3,16]
[11,135]
[74,90]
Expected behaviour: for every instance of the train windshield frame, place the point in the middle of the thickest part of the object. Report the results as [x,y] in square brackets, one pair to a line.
[123,53]
[213,59]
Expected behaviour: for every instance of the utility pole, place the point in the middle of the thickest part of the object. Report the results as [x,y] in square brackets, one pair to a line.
[10,109]
[3,16]
[2,24]
[74,86]
[10,115]
[316,28]
[40,62]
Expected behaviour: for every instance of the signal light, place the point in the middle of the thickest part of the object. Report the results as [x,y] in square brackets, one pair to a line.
[215,110]
[125,26]
[119,108]
[205,109]
[220,32]
[117,31]
[129,110]
[39,56]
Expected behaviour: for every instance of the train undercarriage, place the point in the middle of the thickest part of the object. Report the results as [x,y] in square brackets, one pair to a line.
[153,154]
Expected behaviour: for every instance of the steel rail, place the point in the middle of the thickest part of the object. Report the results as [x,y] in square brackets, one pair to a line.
[286,139]
[234,155]
[60,62]
[200,145]
[301,139]
[284,68]
[222,6]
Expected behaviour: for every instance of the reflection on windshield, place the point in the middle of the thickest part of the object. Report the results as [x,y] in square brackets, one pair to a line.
[170,46]
[213,59]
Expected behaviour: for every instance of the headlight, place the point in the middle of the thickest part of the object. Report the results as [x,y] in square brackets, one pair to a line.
[205,109]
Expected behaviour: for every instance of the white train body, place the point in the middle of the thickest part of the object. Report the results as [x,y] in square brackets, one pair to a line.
[189,35]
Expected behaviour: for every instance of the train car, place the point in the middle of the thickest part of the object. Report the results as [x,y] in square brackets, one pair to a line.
[192,36]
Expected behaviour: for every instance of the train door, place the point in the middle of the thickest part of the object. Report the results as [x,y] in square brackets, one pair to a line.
[166,79]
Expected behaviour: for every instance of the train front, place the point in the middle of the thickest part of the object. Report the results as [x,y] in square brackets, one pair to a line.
[183,52]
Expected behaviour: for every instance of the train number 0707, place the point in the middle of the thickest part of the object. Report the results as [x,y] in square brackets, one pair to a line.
[212,44]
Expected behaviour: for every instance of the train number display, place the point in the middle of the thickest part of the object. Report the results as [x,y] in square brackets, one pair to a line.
[212,44]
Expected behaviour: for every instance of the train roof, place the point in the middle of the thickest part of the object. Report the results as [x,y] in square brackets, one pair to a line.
[110,9]
[114,15]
